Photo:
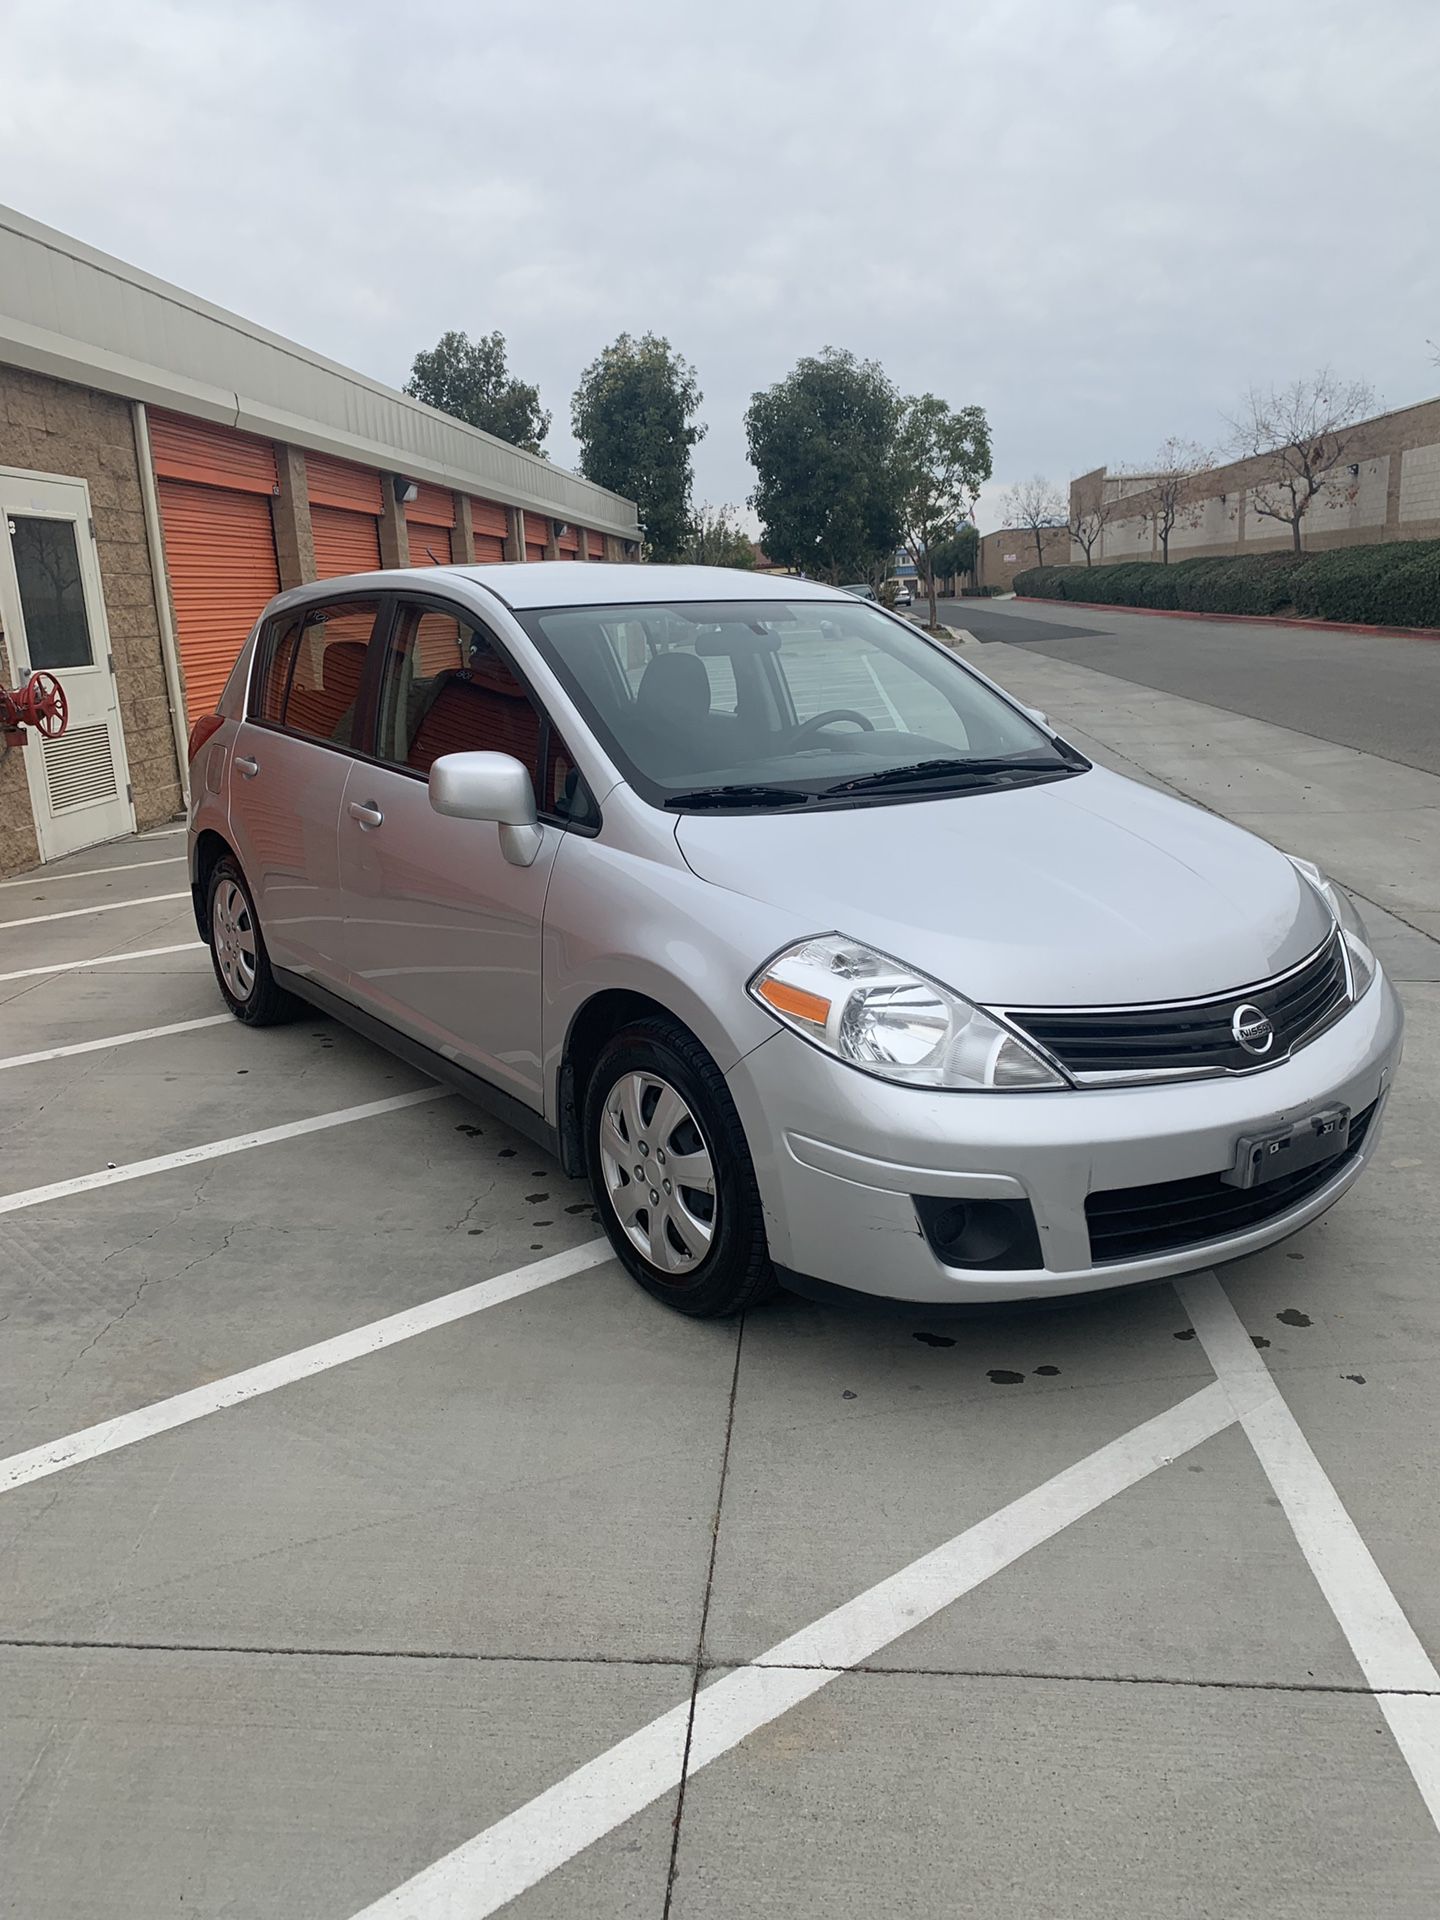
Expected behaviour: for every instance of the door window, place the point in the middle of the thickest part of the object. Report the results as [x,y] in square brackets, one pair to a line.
[52,593]
[447,688]
[311,671]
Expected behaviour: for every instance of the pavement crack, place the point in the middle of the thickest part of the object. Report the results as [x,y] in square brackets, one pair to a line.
[265,1651]
[700,1662]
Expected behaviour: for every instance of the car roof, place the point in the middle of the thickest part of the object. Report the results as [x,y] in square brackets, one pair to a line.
[526,585]
[569,583]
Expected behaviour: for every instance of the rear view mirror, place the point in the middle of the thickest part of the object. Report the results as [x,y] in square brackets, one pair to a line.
[490,786]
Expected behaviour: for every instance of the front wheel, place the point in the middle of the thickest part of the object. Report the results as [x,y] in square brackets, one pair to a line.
[237,950]
[672,1174]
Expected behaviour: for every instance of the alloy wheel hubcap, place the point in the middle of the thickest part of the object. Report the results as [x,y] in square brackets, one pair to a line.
[659,1176]
[233,933]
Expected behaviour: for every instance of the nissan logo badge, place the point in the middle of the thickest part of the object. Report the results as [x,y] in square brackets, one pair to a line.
[1252,1029]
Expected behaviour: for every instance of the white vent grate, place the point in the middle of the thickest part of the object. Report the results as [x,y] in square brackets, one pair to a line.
[79,768]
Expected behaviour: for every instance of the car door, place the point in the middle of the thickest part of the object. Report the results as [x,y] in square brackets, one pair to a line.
[289,763]
[442,932]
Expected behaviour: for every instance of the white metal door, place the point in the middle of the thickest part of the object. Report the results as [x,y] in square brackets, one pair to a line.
[53,614]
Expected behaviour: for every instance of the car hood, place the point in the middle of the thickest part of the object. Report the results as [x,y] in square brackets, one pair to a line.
[1083,892]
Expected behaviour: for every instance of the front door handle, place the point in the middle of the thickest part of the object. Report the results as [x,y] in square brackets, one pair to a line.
[366,812]
[245,766]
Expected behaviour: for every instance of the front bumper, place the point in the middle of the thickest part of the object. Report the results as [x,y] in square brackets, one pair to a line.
[839,1156]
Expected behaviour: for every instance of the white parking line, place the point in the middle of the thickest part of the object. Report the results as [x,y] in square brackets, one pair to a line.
[107,906]
[161,833]
[214,1150]
[181,1408]
[114,1040]
[1406,1684]
[104,960]
[481,1875]
[46,875]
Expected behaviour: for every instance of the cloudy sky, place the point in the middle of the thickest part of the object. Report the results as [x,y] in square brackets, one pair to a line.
[1100,221]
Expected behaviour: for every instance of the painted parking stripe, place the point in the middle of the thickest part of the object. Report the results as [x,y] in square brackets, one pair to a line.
[163,1416]
[214,1150]
[1406,1684]
[106,906]
[103,960]
[481,1875]
[114,1040]
[46,877]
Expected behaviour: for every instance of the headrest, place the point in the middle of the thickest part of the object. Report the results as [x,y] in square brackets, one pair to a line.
[675,686]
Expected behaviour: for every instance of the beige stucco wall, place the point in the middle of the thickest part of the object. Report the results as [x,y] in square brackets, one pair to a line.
[1395,496]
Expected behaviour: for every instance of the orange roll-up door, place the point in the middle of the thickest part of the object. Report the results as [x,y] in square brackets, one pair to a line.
[537,535]
[597,546]
[220,556]
[568,543]
[344,542]
[210,455]
[430,516]
[429,545]
[491,523]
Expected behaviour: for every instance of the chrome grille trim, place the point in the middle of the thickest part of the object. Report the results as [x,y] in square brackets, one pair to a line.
[1192,1039]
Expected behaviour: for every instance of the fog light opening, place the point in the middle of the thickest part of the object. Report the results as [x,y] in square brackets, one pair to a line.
[979,1233]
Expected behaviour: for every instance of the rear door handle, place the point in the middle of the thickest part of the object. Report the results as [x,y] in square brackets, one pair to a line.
[245,766]
[366,812]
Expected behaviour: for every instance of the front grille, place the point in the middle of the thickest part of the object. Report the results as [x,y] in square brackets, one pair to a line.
[1193,1036]
[1128,1223]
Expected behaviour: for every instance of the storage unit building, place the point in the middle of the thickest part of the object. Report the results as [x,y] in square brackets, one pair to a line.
[181,465]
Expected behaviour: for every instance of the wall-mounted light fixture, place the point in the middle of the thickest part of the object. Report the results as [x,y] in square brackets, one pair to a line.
[406,491]
[1354,469]
[560,528]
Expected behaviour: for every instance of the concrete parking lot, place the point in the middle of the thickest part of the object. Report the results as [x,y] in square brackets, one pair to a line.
[372,1546]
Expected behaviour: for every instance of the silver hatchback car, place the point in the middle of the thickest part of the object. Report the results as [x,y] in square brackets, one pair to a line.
[825,960]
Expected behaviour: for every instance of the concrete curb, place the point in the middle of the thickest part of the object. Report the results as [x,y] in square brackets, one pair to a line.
[1245,619]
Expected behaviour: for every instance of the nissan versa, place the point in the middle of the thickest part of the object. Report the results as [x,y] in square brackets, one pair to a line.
[828,962]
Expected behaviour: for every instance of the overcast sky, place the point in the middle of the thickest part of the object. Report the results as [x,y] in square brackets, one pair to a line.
[1100,221]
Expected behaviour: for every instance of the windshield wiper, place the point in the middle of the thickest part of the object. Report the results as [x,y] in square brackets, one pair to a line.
[741,796]
[920,772]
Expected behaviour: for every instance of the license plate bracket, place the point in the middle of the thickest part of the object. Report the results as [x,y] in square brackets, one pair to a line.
[1262,1157]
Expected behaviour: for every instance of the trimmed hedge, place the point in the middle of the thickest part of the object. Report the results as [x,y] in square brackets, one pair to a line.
[1395,584]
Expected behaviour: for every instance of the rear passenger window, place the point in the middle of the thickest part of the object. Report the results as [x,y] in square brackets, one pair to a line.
[311,675]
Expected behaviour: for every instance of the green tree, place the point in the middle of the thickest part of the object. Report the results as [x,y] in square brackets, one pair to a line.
[957,552]
[634,416]
[822,443]
[942,459]
[470,379]
[714,538]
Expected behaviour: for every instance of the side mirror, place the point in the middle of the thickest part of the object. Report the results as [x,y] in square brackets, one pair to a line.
[490,786]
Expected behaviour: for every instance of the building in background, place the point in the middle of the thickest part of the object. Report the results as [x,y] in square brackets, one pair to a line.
[1387,489]
[1010,550]
[165,467]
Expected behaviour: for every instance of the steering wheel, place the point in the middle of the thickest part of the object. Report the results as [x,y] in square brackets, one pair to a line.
[818,720]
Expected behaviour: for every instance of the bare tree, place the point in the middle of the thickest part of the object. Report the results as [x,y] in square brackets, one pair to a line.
[1302,433]
[1035,505]
[1172,491]
[1090,514]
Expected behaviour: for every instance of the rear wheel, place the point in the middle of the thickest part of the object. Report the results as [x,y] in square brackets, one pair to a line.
[672,1173]
[237,951]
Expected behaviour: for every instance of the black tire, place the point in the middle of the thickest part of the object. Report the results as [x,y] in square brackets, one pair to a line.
[732,1271]
[237,950]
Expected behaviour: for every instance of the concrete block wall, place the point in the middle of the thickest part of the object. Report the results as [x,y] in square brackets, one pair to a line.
[50,427]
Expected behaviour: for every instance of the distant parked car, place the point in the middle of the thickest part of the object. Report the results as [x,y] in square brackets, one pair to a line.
[861,591]
[904,597]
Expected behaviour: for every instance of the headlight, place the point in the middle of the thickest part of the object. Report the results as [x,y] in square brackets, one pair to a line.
[1359,951]
[872,1013]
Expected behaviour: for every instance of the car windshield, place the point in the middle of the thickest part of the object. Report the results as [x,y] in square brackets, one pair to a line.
[767,704]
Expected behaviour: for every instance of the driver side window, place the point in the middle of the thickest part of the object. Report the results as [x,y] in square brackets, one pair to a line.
[447,688]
